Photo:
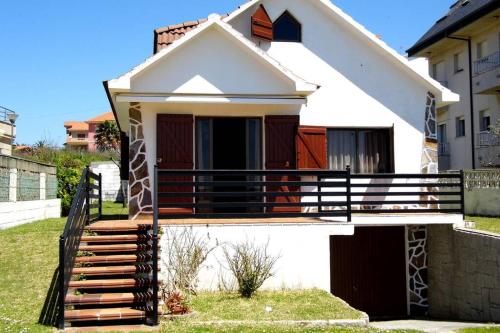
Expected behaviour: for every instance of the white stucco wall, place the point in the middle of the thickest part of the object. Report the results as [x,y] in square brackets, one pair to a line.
[306,244]
[111,182]
[21,212]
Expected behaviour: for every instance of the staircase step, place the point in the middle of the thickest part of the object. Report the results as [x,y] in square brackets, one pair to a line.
[114,248]
[112,270]
[108,298]
[120,258]
[113,238]
[104,314]
[109,283]
[107,226]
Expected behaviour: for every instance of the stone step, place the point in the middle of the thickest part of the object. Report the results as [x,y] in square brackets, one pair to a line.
[114,259]
[112,270]
[115,248]
[108,298]
[104,314]
[109,283]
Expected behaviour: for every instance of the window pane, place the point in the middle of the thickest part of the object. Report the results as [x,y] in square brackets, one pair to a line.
[342,149]
[373,151]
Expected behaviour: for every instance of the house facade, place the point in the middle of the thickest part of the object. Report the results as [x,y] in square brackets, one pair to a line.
[81,134]
[281,97]
[463,128]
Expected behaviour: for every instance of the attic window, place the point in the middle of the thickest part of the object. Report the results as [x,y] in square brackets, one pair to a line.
[287,29]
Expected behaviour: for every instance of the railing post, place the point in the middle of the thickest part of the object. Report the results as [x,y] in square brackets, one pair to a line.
[87,194]
[348,193]
[155,246]
[462,192]
[61,287]
[320,208]
[100,196]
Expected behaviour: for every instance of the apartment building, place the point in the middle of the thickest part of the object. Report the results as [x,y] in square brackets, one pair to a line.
[7,130]
[81,134]
[463,48]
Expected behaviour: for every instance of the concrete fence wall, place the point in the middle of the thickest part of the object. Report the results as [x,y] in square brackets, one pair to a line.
[464,274]
[111,182]
[28,192]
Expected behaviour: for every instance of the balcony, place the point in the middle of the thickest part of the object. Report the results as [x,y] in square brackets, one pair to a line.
[76,141]
[487,139]
[205,196]
[487,75]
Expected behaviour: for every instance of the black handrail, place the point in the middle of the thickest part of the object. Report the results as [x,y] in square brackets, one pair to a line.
[79,216]
[211,194]
[155,250]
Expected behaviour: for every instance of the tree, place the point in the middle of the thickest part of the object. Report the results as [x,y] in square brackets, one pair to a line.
[107,136]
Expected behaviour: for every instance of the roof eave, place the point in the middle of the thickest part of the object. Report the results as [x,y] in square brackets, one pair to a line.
[415,49]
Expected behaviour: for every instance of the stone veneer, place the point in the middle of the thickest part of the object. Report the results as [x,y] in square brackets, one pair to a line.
[140,198]
[417,236]
[417,262]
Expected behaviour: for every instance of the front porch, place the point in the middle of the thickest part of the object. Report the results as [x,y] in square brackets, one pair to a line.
[220,197]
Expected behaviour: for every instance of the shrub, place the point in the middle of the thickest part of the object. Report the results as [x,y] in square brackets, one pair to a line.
[176,303]
[69,165]
[185,254]
[250,264]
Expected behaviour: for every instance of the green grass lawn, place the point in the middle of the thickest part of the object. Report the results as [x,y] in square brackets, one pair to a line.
[481,330]
[286,305]
[490,224]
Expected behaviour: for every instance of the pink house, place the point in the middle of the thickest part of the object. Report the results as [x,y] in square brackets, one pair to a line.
[80,134]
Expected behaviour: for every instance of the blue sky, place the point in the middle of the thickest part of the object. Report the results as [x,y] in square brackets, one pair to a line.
[55,53]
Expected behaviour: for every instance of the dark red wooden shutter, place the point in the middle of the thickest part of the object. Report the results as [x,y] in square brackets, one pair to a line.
[174,150]
[262,26]
[311,148]
[281,132]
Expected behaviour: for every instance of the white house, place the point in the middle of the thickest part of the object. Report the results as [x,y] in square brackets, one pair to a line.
[284,95]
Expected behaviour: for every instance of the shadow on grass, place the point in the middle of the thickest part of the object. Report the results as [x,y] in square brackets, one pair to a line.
[50,309]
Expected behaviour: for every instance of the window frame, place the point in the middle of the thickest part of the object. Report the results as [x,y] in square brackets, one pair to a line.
[460,131]
[483,114]
[457,65]
[277,39]
[389,132]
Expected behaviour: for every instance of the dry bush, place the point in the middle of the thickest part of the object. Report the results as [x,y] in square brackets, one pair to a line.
[184,256]
[251,264]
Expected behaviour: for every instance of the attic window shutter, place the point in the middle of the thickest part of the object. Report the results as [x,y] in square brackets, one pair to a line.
[311,148]
[262,26]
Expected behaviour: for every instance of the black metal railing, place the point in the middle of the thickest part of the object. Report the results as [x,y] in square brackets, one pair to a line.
[212,194]
[86,208]
[487,63]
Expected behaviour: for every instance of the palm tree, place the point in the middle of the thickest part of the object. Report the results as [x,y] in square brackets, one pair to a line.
[107,136]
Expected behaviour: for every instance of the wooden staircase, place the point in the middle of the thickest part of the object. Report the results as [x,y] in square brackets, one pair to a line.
[112,278]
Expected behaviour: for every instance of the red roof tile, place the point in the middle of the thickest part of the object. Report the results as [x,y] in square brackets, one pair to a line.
[169,34]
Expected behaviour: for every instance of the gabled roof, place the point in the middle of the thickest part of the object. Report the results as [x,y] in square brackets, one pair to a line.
[301,86]
[108,116]
[461,14]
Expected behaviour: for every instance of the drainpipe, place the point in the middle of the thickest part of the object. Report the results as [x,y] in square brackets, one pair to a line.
[473,136]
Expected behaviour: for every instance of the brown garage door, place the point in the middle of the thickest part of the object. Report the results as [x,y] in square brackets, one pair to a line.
[368,270]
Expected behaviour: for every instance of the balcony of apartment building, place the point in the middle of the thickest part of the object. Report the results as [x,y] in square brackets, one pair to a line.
[77,140]
[7,130]
[486,73]
[488,149]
